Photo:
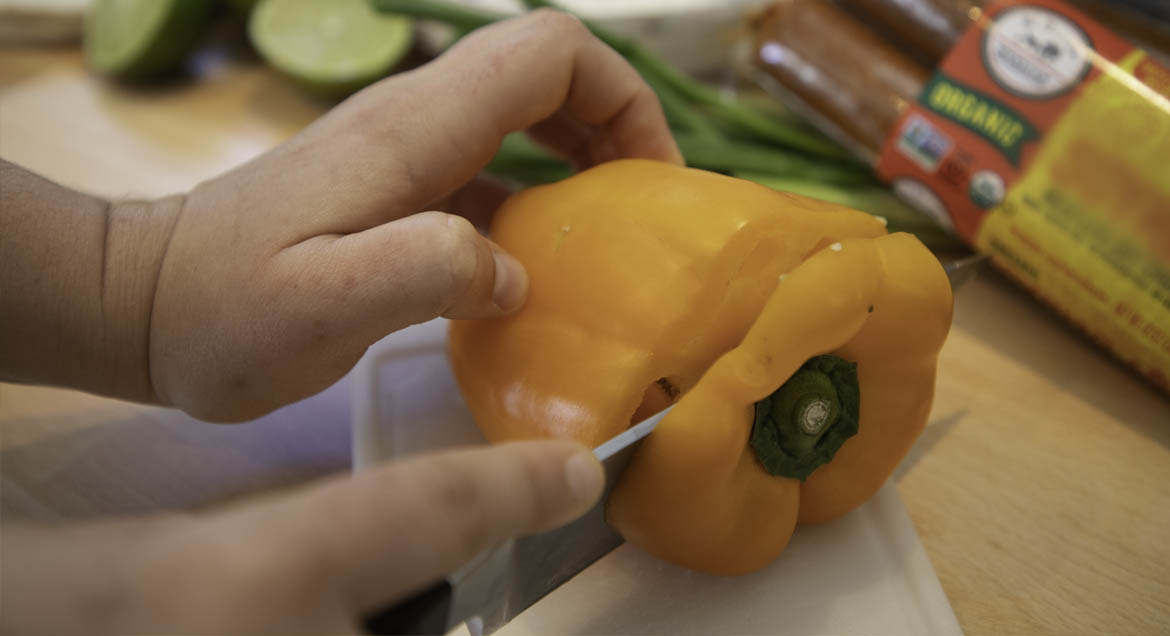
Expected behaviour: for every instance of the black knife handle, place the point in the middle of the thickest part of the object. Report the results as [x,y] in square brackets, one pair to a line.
[424,613]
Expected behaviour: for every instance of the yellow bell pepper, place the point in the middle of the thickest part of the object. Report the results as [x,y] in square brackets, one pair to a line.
[780,325]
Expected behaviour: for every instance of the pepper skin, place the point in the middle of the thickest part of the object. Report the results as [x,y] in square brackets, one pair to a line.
[695,493]
[650,284]
[638,270]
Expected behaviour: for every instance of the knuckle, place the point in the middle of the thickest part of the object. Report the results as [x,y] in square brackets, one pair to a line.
[288,566]
[227,400]
[295,575]
[458,494]
[454,489]
[643,92]
[457,245]
[444,261]
[400,169]
[542,505]
[558,22]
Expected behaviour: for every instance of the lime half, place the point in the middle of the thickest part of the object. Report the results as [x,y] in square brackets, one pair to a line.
[138,38]
[332,47]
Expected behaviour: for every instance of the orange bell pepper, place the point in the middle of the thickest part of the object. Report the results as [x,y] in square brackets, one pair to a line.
[780,325]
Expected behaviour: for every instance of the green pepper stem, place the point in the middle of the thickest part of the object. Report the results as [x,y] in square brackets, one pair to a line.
[813,415]
[800,426]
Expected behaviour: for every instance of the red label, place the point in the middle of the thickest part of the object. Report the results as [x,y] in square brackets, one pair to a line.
[976,126]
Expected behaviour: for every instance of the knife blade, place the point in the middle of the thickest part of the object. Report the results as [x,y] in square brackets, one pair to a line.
[501,582]
[963,270]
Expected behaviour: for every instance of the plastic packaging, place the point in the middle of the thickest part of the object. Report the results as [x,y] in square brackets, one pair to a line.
[852,84]
[1041,136]
[928,27]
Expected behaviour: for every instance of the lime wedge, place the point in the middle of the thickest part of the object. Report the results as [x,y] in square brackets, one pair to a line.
[138,38]
[331,47]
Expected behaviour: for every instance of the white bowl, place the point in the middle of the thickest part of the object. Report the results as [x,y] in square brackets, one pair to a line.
[694,35]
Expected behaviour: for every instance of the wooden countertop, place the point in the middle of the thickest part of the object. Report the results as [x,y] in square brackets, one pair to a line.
[1041,491]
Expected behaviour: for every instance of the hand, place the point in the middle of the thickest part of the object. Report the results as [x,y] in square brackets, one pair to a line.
[281,273]
[314,561]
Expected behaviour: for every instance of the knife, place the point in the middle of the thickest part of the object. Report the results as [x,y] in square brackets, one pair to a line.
[964,269]
[503,581]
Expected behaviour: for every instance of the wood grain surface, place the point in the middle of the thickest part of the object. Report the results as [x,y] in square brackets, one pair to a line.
[1041,490]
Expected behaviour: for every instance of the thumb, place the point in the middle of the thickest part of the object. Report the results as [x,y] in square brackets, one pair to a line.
[390,531]
[426,265]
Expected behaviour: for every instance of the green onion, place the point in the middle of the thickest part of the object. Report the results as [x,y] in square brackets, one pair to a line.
[457,15]
[714,132]
[522,160]
[736,115]
[744,156]
[680,114]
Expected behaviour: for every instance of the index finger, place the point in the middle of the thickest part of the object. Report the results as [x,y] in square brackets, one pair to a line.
[453,113]
[392,530]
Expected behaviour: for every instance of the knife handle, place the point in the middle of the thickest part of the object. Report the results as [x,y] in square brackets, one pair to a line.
[424,613]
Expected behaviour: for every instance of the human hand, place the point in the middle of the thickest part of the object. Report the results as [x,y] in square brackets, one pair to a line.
[280,274]
[313,561]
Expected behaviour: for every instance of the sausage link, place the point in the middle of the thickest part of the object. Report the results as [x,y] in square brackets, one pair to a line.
[837,68]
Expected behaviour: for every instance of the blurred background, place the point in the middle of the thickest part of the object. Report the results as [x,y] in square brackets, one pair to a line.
[815,128]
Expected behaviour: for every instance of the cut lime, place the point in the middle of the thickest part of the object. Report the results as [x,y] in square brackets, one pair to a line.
[138,38]
[332,47]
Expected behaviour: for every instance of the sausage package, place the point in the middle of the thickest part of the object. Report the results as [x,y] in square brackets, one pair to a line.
[1040,136]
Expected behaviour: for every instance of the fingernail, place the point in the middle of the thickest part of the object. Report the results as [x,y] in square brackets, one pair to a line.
[585,477]
[511,285]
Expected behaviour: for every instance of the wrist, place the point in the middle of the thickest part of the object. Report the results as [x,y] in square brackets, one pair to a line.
[78,275]
[138,234]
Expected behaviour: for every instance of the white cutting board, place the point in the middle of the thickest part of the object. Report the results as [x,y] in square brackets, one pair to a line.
[865,573]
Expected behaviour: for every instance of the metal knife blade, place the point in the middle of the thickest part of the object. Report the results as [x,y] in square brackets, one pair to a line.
[544,561]
[963,270]
[503,581]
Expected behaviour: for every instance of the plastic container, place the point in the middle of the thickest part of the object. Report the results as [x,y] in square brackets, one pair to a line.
[1038,134]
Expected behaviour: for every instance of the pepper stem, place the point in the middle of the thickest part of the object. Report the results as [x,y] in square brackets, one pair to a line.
[814,415]
[800,426]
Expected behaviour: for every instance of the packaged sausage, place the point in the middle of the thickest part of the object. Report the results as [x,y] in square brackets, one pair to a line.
[853,85]
[1040,136]
[926,27]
